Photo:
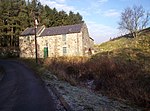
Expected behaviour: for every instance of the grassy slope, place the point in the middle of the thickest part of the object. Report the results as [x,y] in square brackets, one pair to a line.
[131,57]
[129,49]
[141,42]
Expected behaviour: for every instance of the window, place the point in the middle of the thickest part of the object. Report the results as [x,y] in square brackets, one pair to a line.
[64,50]
[64,37]
[28,38]
[46,43]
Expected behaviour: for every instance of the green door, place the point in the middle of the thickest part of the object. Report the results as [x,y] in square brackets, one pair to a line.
[45,52]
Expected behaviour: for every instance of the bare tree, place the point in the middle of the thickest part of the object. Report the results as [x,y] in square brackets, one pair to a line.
[134,19]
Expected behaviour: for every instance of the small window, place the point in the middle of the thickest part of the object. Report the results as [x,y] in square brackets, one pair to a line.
[46,43]
[28,38]
[64,50]
[64,37]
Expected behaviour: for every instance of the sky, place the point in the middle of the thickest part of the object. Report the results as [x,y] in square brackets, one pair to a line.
[100,16]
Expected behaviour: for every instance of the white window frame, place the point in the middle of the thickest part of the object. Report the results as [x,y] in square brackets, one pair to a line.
[64,37]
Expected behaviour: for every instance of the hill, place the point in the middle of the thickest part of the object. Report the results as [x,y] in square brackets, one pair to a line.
[127,41]
[129,49]
[128,67]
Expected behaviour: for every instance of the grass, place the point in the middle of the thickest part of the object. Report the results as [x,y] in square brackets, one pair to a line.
[115,44]
[66,68]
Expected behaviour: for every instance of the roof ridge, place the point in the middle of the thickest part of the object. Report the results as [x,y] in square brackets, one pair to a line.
[65,25]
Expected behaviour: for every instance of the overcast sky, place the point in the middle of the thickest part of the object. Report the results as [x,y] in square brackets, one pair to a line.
[101,16]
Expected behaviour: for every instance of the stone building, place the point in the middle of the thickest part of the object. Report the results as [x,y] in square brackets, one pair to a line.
[70,40]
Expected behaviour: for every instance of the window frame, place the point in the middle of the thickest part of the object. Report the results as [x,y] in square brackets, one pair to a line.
[64,50]
[64,37]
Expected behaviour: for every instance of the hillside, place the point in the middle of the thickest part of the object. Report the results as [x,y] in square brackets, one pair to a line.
[129,49]
[141,42]
[128,62]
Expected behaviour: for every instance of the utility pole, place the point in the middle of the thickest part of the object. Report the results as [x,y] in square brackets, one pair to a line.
[36,55]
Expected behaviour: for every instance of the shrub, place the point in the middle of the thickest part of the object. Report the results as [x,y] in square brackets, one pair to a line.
[66,68]
[9,52]
[122,79]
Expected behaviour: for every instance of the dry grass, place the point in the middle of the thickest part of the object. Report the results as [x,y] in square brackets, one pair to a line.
[125,80]
[66,68]
[113,77]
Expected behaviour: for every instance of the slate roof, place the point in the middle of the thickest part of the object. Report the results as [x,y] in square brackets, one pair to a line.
[30,31]
[54,30]
[62,30]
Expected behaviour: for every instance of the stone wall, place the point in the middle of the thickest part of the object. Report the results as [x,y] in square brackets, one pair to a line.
[87,44]
[56,43]
[27,46]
